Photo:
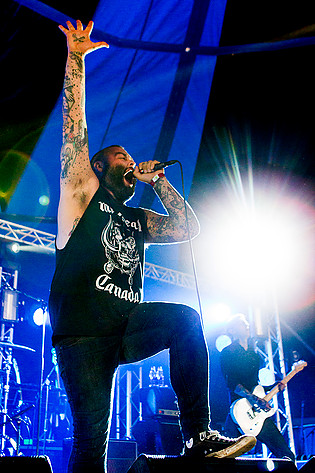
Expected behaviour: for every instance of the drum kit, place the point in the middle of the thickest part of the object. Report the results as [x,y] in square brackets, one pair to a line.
[8,371]
[32,415]
[25,422]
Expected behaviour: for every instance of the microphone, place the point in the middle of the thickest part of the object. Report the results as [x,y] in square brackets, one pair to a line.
[159,166]
[129,173]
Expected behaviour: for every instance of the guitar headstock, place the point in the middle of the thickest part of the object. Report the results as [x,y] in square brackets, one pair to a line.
[299,365]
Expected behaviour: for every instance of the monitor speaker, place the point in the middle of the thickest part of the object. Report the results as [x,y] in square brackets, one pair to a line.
[147,464]
[308,467]
[35,464]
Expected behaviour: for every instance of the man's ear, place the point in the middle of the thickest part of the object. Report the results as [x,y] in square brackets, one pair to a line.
[98,166]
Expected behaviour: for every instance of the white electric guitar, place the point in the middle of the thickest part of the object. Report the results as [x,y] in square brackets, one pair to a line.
[251,419]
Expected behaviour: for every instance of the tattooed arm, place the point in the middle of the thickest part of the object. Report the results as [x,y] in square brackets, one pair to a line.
[78,182]
[170,228]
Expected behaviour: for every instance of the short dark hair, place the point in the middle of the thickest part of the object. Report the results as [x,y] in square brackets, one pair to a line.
[234,320]
[102,154]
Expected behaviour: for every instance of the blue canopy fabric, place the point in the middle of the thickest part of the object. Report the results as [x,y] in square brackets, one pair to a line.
[151,102]
[148,92]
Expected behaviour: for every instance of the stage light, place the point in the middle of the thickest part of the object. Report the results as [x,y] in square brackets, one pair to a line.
[15,248]
[215,315]
[261,249]
[219,312]
[40,316]
[222,341]
[9,312]
[266,377]
[270,464]
[44,200]
[257,249]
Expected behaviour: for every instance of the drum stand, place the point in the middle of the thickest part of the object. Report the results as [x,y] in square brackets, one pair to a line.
[6,360]
[41,385]
[8,317]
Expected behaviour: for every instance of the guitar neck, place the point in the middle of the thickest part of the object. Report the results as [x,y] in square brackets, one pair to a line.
[275,390]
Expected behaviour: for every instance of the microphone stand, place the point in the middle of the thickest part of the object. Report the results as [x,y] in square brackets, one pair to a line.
[302,435]
[44,308]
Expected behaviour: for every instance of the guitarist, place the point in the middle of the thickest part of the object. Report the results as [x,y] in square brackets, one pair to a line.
[240,365]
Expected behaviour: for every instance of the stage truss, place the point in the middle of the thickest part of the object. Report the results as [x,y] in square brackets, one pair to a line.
[23,235]
[272,353]
[268,329]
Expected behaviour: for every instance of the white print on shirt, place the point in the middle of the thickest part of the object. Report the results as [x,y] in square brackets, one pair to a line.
[120,248]
[105,207]
[128,295]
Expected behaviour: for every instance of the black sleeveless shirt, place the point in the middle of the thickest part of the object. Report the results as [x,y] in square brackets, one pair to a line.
[98,275]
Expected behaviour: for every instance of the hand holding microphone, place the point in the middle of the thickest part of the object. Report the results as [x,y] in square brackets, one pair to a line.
[145,171]
[163,165]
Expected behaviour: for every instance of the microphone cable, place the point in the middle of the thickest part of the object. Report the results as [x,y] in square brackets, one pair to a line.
[192,255]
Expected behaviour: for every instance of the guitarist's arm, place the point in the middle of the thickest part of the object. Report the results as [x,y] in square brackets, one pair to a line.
[254,400]
[280,385]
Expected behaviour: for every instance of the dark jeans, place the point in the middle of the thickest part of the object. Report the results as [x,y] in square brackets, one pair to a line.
[269,435]
[88,364]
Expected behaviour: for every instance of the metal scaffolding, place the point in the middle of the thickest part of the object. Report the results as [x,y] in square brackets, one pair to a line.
[127,412]
[8,315]
[127,408]
[26,236]
[23,235]
[272,353]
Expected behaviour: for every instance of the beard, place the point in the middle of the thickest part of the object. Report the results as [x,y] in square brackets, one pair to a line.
[113,180]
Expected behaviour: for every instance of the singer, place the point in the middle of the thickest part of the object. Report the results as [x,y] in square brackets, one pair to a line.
[99,320]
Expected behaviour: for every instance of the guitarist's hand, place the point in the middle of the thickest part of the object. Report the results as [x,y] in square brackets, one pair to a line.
[258,403]
[281,386]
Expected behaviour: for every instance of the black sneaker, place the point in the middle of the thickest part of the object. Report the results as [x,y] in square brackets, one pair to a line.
[212,444]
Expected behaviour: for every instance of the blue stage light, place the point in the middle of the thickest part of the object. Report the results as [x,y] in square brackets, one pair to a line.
[222,341]
[39,316]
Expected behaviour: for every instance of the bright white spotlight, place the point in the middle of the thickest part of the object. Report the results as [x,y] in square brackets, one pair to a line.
[39,316]
[215,314]
[219,312]
[15,247]
[266,377]
[222,341]
[270,464]
[259,250]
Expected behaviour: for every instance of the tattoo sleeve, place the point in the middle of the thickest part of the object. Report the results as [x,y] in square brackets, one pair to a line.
[172,227]
[74,151]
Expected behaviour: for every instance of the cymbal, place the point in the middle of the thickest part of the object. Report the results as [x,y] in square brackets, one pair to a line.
[14,345]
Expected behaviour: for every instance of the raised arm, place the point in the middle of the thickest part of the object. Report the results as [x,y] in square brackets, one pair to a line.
[169,228]
[75,164]
[78,182]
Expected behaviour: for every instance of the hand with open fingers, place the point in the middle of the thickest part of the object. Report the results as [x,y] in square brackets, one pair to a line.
[78,39]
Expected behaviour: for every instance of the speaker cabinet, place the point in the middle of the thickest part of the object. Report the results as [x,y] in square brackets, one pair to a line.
[121,455]
[147,464]
[308,467]
[160,436]
[36,464]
